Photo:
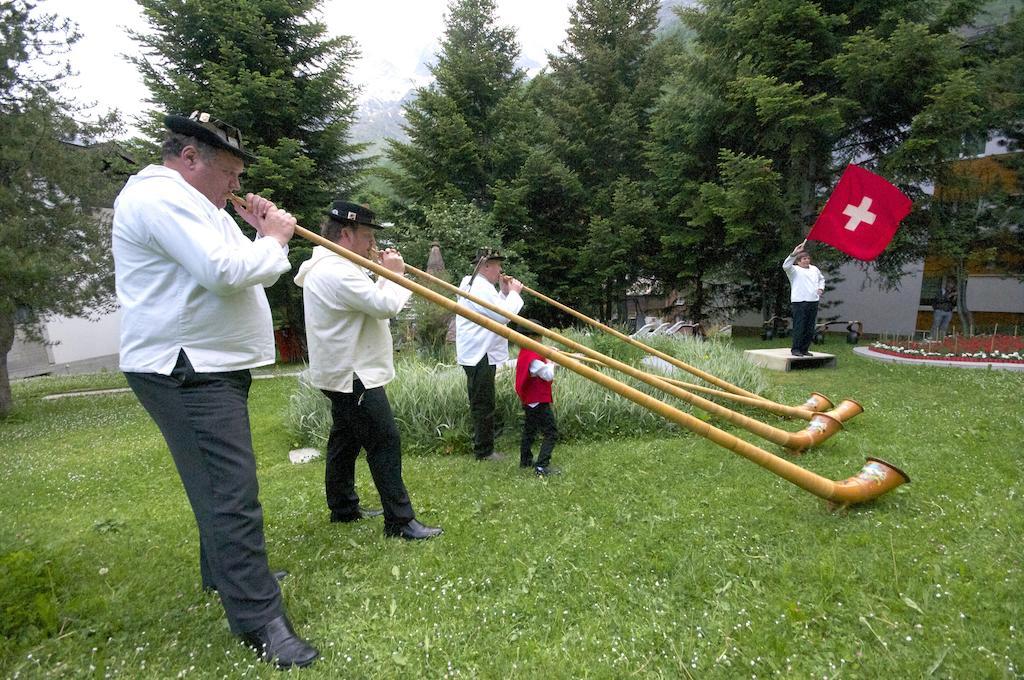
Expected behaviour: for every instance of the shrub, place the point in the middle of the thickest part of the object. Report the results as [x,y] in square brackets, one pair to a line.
[715,356]
[309,415]
[606,344]
[430,402]
[28,605]
[425,326]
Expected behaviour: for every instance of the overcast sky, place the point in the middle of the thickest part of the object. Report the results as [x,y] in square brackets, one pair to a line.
[394,36]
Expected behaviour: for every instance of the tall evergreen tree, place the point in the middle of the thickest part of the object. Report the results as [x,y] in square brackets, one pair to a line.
[466,130]
[801,88]
[54,240]
[543,215]
[268,67]
[595,104]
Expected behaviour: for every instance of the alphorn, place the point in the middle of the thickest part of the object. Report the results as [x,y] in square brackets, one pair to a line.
[815,404]
[760,403]
[846,409]
[875,479]
[821,426]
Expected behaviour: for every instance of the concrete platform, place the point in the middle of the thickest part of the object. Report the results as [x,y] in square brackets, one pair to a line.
[779,359]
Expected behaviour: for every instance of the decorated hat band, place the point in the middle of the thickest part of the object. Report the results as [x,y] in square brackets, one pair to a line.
[206,128]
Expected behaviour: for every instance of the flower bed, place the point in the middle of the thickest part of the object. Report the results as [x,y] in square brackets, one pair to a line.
[1009,348]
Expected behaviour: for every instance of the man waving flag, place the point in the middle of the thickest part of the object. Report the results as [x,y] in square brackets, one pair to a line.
[862,214]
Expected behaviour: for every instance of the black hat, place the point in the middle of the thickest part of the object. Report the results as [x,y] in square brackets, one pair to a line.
[345,211]
[207,129]
[483,254]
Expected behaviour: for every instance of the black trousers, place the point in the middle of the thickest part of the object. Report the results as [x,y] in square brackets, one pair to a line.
[804,316]
[204,418]
[540,418]
[363,419]
[480,385]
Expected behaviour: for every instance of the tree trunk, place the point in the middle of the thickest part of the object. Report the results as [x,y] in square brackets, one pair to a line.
[807,197]
[621,306]
[696,309]
[294,315]
[606,302]
[6,342]
[962,308]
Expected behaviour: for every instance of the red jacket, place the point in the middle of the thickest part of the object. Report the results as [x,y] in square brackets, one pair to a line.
[530,388]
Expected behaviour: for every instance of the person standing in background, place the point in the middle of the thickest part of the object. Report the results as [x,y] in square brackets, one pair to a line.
[478,350]
[806,286]
[942,308]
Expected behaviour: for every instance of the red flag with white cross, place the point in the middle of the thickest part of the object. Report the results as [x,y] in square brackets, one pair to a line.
[861,215]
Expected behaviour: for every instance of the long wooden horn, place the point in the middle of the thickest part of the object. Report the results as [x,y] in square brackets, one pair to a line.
[821,426]
[817,402]
[841,413]
[876,478]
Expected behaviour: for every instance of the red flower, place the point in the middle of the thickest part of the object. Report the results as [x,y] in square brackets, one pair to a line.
[957,348]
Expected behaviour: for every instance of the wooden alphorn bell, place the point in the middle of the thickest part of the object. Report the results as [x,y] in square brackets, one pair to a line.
[817,402]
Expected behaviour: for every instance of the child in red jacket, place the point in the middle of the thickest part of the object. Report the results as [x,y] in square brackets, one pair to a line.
[534,375]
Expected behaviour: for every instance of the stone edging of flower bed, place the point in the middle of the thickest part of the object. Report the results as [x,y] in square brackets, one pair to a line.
[118,390]
[869,353]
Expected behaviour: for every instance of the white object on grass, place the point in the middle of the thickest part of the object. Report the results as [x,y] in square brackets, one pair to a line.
[298,456]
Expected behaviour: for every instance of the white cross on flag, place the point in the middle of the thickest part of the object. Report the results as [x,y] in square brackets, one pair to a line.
[861,215]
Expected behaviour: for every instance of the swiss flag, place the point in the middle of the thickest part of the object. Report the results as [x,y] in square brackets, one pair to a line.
[861,215]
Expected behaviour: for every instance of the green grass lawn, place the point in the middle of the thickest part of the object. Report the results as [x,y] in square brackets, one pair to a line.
[650,557]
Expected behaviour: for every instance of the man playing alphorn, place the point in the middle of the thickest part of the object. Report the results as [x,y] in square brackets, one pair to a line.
[478,350]
[350,361]
[195,320]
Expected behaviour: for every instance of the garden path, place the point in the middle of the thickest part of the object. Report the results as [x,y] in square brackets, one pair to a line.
[117,390]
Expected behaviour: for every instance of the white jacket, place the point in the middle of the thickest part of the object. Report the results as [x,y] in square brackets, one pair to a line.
[804,283]
[188,278]
[473,341]
[347,329]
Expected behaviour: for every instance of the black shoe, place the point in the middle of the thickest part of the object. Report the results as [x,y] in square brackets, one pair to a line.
[494,456]
[277,643]
[525,463]
[545,470]
[796,353]
[278,576]
[360,513]
[413,531]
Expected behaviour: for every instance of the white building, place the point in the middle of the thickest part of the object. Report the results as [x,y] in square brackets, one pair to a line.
[71,345]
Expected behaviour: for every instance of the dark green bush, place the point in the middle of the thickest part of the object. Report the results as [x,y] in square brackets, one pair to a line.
[430,403]
[28,604]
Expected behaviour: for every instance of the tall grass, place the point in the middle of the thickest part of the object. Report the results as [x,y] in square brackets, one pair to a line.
[715,356]
[431,405]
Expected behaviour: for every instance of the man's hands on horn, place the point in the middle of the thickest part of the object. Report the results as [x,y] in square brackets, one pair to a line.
[392,260]
[267,219]
[510,284]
